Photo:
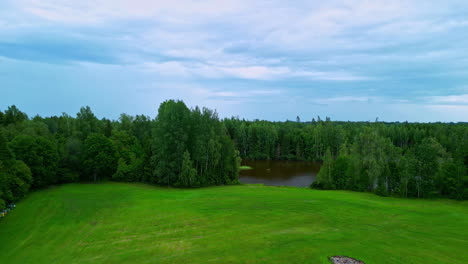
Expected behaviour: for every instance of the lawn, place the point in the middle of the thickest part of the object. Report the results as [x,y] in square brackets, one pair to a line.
[137,223]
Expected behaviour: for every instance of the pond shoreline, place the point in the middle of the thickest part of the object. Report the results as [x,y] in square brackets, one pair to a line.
[279,172]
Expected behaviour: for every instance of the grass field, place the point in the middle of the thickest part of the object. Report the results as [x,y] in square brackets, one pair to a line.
[137,223]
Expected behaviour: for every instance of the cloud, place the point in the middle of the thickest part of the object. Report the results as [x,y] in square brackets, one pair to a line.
[452,113]
[419,27]
[196,69]
[57,50]
[241,71]
[425,100]
[360,52]
[347,99]
[235,94]
[331,76]
[449,99]
[99,11]
[313,27]
[255,72]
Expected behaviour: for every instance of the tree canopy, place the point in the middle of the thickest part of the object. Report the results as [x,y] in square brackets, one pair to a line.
[181,147]
[186,147]
[401,159]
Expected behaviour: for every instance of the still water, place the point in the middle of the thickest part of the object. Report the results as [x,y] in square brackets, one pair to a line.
[280,173]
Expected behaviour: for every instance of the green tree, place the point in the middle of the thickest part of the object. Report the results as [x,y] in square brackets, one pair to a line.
[100,157]
[170,141]
[40,155]
[188,175]
[87,123]
[324,177]
[20,179]
[70,164]
[6,193]
[13,116]
[406,172]
[340,171]
[429,155]
[15,180]
[2,121]
[451,180]
[5,153]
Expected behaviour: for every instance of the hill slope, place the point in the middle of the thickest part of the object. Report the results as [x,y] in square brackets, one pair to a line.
[136,223]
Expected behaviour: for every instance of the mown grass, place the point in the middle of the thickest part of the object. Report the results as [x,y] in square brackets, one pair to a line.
[137,223]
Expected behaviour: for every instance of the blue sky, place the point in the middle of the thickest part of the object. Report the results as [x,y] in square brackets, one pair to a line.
[347,59]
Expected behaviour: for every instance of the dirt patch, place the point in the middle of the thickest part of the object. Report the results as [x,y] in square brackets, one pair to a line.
[345,260]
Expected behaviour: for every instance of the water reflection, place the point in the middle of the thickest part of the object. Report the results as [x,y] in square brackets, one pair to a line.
[280,173]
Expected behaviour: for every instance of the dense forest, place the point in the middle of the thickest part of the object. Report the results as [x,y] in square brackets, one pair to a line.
[399,159]
[181,147]
[185,147]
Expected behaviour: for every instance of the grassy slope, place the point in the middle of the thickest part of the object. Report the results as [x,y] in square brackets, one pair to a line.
[136,223]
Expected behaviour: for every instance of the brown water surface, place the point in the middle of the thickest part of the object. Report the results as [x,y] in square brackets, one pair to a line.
[280,173]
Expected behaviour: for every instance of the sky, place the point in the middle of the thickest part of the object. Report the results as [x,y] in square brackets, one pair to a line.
[352,60]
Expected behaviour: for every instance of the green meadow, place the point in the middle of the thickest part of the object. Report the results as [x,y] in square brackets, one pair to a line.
[138,223]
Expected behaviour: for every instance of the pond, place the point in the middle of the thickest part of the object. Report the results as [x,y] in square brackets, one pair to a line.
[279,172]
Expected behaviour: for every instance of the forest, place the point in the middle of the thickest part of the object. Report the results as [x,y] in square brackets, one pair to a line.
[398,159]
[181,147]
[184,147]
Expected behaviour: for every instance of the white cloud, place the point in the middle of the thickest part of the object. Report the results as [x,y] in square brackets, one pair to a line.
[347,99]
[449,99]
[418,27]
[433,101]
[325,25]
[331,76]
[197,69]
[85,12]
[202,29]
[207,93]
[242,71]
[391,43]
[255,72]
[454,113]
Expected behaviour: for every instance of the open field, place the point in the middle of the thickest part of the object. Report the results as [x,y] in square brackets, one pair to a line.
[137,223]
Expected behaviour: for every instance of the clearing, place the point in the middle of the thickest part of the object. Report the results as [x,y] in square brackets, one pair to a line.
[138,223]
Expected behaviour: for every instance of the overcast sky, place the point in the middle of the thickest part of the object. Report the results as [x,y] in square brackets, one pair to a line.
[350,60]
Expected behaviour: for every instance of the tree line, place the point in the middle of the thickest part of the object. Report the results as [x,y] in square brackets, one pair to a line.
[399,159]
[185,147]
[181,147]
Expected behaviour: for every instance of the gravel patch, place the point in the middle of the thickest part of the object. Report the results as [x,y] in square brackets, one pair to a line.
[345,260]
